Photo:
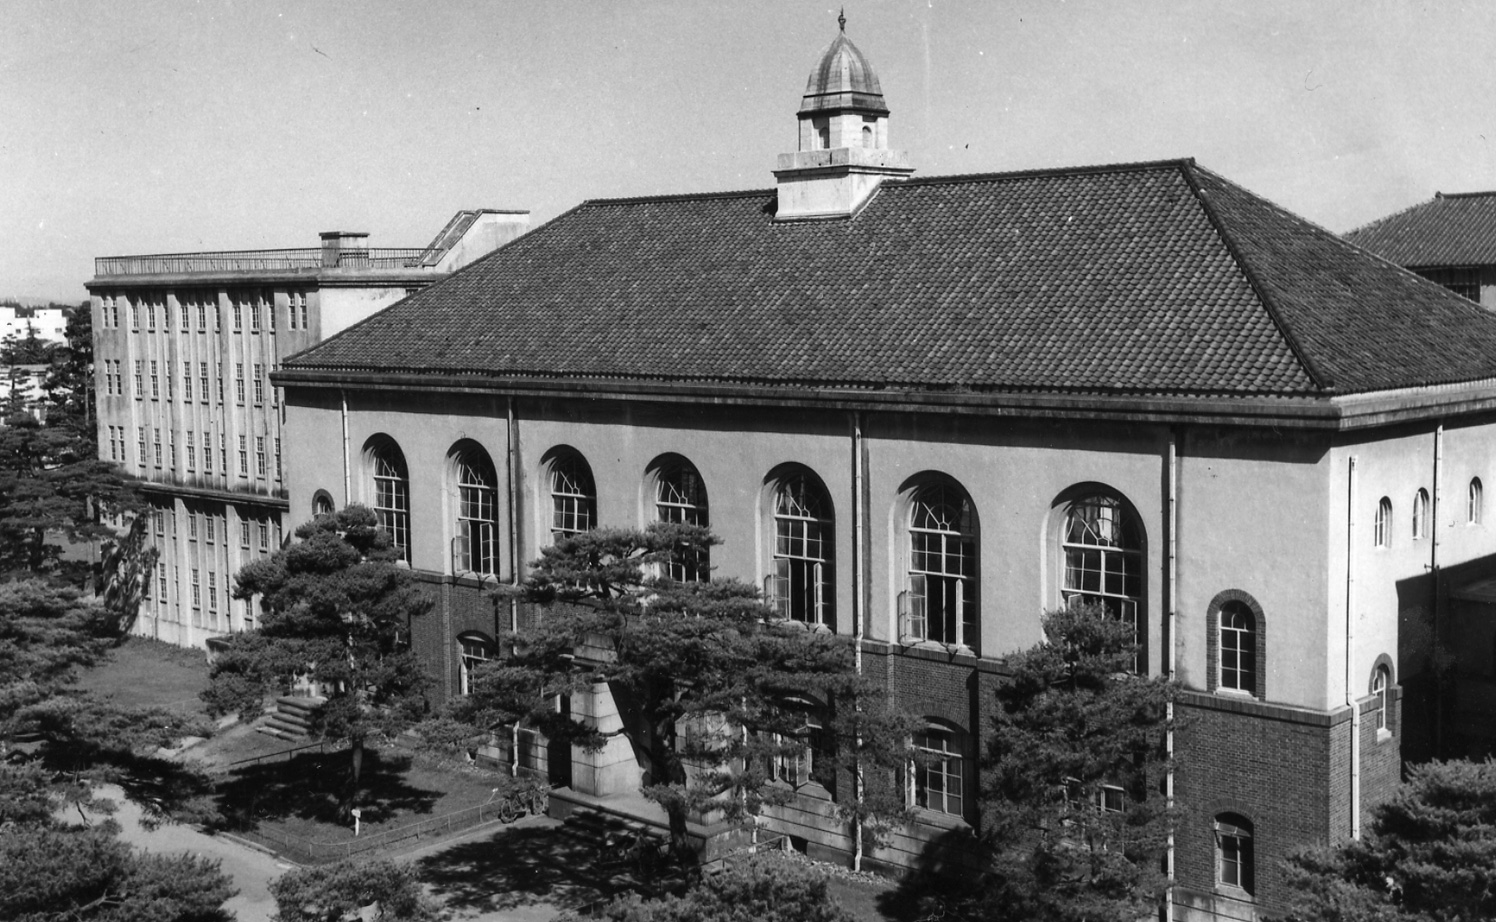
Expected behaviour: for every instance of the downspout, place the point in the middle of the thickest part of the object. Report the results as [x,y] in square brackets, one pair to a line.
[1433,568]
[1350,647]
[1171,661]
[513,489]
[347,473]
[858,613]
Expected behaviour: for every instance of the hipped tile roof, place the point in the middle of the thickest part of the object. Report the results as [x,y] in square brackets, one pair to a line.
[1158,278]
[1452,230]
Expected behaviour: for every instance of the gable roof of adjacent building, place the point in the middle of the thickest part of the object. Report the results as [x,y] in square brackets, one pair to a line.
[1160,279]
[1454,229]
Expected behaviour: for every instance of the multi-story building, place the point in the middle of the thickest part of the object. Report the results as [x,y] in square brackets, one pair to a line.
[184,345]
[922,411]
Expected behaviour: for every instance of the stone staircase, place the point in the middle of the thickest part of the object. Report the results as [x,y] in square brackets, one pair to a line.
[292,717]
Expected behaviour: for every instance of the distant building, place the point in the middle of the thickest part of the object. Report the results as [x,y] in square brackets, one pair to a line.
[922,411]
[28,381]
[184,347]
[50,323]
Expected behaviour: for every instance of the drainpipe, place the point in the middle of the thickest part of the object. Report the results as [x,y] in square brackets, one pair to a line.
[1350,647]
[1171,661]
[347,474]
[858,613]
[1433,568]
[512,486]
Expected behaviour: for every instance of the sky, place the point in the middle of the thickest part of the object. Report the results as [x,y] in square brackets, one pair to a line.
[158,126]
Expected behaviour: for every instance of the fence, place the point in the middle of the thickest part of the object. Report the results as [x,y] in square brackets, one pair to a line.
[321,747]
[307,851]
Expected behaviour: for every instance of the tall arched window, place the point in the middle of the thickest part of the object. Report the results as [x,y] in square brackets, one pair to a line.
[1104,556]
[473,650]
[1382,528]
[1238,648]
[941,601]
[474,546]
[800,587]
[391,489]
[1475,501]
[573,496]
[1234,864]
[1420,514]
[680,497]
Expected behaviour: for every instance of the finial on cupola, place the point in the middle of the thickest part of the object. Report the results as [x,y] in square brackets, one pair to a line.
[841,19]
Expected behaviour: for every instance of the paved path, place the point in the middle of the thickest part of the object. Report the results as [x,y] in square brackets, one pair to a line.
[250,870]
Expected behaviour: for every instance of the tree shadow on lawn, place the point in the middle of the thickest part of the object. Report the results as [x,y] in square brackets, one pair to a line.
[311,786]
[522,866]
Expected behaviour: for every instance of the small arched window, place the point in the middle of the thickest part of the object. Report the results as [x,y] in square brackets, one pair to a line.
[938,776]
[940,603]
[322,503]
[1104,556]
[573,497]
[1475,500]
[1382,527]
[800,587]
[1238,648]
[867,136]
[1381,683]
[1420,514]
[474,547]
[1234,864]
[391,489]
[680,497]
[473,650]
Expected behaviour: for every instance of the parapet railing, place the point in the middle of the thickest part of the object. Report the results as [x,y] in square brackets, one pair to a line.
[259,260]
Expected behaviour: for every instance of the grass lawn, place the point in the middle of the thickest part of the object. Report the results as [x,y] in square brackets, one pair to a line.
[148,673]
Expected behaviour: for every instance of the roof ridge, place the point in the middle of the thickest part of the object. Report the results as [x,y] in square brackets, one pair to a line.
[1438,195]
[674,197]
[1188,170]
[1377,222]
[1137,166]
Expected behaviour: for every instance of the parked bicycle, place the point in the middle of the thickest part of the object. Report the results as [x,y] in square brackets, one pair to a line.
[524,797]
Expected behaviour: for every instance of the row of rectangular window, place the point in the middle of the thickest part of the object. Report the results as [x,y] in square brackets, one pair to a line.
[262,456]
[114,381]
[254,306]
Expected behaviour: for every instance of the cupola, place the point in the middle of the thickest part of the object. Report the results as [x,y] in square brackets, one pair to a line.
[843,153]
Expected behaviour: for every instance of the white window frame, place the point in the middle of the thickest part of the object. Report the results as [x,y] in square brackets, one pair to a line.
[803,552]
[680,497]
[1381,534]
[940,764]
[942,571]
[1241,642]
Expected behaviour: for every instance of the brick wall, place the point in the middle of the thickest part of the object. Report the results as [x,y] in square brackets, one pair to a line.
[1284,770]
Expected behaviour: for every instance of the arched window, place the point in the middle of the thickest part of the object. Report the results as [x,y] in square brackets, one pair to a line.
[1103,556]
[800,587]
[573,496]
[391,489]
[473,650]
[867,136]
[804,755]
[322,503]
[1238,648]
[1474,502]
[1381,684]
[1234,865]
[1420,514]
[474,547]
[941,601]
[1382,528]
[938,776]
[680,497]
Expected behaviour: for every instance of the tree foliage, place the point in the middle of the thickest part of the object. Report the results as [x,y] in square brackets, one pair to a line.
[721,686]
[56,869]
[335,608]
[1073,816]
[1429,854]
[766,889]
[336,892]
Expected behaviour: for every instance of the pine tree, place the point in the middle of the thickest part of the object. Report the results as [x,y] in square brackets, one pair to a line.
[339,891]
[721,685]
[1073,816]
[1429,854]
[335,608]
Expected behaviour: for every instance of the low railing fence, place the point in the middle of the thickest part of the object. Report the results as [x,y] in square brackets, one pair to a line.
[308,851]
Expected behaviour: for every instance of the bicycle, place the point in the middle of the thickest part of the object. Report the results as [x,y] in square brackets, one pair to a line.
[531,798]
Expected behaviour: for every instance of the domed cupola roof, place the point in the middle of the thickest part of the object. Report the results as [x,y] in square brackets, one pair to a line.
[843,79]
